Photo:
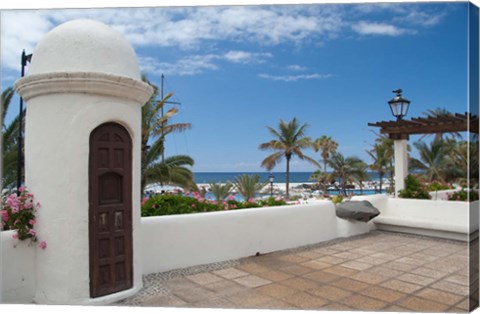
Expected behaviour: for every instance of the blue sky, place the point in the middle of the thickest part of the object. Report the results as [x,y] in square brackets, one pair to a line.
[236,70]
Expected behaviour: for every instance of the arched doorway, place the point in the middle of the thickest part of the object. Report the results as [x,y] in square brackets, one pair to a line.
[110,210]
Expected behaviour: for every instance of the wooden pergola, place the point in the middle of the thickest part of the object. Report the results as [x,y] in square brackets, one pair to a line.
[401,130]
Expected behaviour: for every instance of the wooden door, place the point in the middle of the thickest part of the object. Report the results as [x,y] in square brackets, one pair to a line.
[110,210]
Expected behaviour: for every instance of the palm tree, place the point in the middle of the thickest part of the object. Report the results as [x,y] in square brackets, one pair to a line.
[155,128]
[289,140]
[173,170]
[346,169]
[328,146]
[433,159]
[248,185]
[220,191]
[438,112]
[9,142]
[381,161]
[323,179]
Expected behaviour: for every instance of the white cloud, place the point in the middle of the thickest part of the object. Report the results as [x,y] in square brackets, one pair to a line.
[246,57]
[368,28]
[197,64]
[296,67]
[294,78]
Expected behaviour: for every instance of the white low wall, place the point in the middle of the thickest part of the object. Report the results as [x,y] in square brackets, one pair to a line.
[18,270]
[448,219]
[171,242]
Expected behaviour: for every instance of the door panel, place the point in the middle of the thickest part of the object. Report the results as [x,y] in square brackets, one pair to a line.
[110,210]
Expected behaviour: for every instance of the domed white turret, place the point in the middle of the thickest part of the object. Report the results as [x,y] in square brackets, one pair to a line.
[85,46]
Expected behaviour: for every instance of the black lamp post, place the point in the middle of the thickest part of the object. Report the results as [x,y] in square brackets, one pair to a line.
[25,58]
[271,178]
[399,105]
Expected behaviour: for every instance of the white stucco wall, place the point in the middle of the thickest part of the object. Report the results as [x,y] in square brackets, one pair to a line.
[57,155]
[171,242]
[17,279]
[449,219]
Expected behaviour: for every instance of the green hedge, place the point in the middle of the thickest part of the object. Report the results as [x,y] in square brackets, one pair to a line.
[175,204]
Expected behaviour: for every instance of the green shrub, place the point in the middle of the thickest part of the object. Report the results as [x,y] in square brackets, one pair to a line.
[337,199]
[176,204]
[414,189]
[462,195]
[437,186]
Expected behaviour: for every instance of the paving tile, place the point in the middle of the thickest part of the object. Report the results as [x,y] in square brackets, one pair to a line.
[369,278]
[399,266]
[221,303]
[276,290]
[341,271]
[304,300]
[356,265]
[330,292]
[274,304]
[331,259]
[416,279]
[225,287]
[383,294]
[458,279]
[424,257]
[274,275]
[451,287]
[384,256]
[411,261]
[350,284]
[336,307]
[230,273]
[293,258]
[321,277]
[348,255]
[299,283]
[428,272]
[195,294]
[253,268]
[296,269]
[464,304]
[310,254]
[249,299]
[401,286]
[439,296]
[252,281]
[204,278]
[361,302]
[384,271]
[422,305]
[395,308]
[163,301]
[178,283]
[315,264]
[325,251]
[371,260]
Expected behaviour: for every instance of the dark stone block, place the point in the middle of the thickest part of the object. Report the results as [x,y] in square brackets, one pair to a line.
[357,210]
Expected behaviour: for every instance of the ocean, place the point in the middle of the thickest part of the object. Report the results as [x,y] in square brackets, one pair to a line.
[295,177]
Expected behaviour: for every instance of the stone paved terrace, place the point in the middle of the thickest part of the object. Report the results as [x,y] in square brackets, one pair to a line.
[376,272]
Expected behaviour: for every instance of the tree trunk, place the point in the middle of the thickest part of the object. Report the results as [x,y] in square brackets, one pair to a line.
[287,177]
[380,176]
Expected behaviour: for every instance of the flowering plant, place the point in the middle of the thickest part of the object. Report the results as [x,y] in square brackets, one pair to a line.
[18,213]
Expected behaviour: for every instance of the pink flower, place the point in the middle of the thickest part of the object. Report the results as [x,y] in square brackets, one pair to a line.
[251,200]
[231,197]
[32,232]
[193,206]
[15,236]
[144,200]
[21,189]
[43,245]
[187,193]
[4,215]
[298,202]
[13,202]
[32,222]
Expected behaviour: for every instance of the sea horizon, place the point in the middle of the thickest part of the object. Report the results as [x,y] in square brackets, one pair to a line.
[203,177]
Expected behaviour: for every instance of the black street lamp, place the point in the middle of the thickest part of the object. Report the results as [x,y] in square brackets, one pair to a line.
[399,105]
[271,178]
[25,58]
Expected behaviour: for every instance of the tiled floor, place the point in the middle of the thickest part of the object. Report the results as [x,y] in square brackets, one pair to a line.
[377,272]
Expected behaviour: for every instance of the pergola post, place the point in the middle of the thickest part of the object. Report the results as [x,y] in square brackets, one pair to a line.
[401,164]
